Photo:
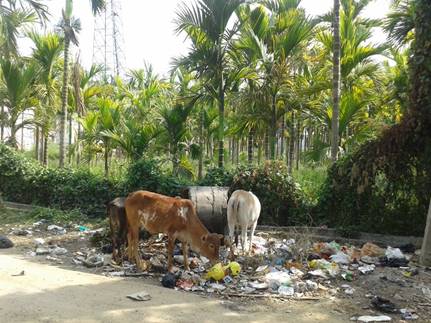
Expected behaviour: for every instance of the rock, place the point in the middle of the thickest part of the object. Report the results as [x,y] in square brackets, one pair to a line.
[42,251]
[5,242]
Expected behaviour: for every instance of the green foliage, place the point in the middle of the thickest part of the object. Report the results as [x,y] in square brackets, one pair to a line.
[310,179]
[385,185]
[281,198]
[217,176]
[26,181]
[146,175]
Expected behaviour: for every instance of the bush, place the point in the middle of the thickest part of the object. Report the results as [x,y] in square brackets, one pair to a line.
[374,192]
[280,197]
[217,177]
[147,175]
[25,181]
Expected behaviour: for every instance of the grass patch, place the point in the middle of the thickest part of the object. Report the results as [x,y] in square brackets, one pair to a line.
[13,216]
[311,180]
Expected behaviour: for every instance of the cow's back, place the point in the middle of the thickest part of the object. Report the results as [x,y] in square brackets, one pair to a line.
[245,207]
[157,213]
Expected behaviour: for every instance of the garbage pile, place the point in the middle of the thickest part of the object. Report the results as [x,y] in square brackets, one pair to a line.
[277,268]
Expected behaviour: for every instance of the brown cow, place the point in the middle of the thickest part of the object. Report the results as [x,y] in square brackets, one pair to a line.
[174,217]
[118,223]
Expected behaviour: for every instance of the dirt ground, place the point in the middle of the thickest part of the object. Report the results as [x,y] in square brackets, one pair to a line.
[66,292]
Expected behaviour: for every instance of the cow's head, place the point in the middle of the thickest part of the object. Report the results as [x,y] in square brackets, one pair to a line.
[211,246]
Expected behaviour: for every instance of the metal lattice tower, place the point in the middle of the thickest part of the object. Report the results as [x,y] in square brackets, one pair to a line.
[108,40]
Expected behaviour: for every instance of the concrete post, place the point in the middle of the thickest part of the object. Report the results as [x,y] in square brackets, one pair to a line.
[426,244]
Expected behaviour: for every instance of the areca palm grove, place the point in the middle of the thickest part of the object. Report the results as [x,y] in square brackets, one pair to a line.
[260,81]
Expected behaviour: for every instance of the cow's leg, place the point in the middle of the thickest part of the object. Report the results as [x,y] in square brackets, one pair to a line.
[134,247]
[231,225]
[253,227]
[115,251]
[186,255]
[243,238]
[129,245]
[171,246]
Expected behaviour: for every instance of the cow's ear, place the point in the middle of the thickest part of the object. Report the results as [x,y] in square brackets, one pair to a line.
[221,237]
[204,238]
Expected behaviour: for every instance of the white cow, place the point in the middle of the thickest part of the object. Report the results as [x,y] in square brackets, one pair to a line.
[243,210]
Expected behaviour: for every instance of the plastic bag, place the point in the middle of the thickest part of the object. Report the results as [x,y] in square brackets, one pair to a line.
[341,258]
[392,253]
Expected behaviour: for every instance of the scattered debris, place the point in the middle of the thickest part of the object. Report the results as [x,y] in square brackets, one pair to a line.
[141,296]
[169,280]
[408,315]
[39,241]
[384,305]
[21,232]
[369,318]
[366,269]
[94,261]
[22,273]
[56,229]
[42,251]
[58,251]
[5,242]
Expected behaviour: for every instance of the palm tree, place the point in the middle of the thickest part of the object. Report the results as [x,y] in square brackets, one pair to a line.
[400,23]
[336,81]
[109,116]
[174,122]
[70,27]
[17,93]
[84,94]
[46,53]
[206,24]
[14,16]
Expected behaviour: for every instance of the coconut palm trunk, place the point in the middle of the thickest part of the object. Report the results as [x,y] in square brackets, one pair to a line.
[221,123]
[45,150]
[106,144]
[291,143]
[273,130]
[63,112]
[201,143]
[2,126]
[36,142]
[250,148]
[336,81]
